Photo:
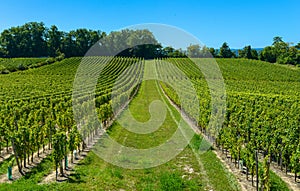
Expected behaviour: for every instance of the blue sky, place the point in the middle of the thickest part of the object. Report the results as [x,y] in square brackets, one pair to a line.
[238,22]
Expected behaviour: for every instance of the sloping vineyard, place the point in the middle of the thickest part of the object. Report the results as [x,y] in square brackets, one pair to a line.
[36,106]
[12,64]
[8,65]
[262,112]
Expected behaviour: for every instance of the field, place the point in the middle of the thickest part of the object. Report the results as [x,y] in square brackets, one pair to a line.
[40,107]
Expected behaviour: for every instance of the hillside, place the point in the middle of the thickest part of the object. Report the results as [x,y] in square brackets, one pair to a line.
[262,113]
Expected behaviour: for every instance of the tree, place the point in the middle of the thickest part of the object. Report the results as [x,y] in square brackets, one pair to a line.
[213,52]
[280,48]
[254,54]
[54,41]
[171,52]
[69,44]
[268,54]
[129,43]
[225,51]
[35,40]
[38,42]
[179,54]
[281,52]
[277,39]
[247,52]
[291,57]
[3,52]
[205,52]
[27,40]
[168,51]
[193,50]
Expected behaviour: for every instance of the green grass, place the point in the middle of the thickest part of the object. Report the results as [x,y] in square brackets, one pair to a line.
[139,108]
[277,184]
[37,173]
[30,180]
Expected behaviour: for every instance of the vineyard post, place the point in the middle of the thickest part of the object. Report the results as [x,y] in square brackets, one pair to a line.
[56,172]
[0,145]
[256,159]
[65,152]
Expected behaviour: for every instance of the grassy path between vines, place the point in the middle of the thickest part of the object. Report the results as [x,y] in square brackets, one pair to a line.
[183,172]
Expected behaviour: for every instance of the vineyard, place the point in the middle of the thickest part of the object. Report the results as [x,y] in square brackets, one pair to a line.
[39,112]
[44,112]
[262,114]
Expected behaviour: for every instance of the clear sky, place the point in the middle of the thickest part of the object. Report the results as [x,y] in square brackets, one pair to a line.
[238,22]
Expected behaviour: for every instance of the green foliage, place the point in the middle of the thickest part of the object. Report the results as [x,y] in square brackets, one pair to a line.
[171,52]
[33,39]
[14,64]
[249,53]
[225,51]
[6,163]
[281,52]
[295,160]
[59,143]
[3,70]
[40,109]
[262,111]
[93,172]
[268,55]
[196,51]
[277,39]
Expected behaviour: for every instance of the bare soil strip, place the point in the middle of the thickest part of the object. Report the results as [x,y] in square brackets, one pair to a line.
[36,160]
[5,155]
[71,166]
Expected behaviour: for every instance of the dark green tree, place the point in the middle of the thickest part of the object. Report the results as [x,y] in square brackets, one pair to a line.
[225,51]
[254,54]
[213,52]
[268,54]
[168,51]
[248,52]
[54,41]
[179,54]
[277,39]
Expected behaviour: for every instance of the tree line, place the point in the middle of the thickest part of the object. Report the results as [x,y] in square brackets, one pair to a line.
[279,52]
[36,40]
